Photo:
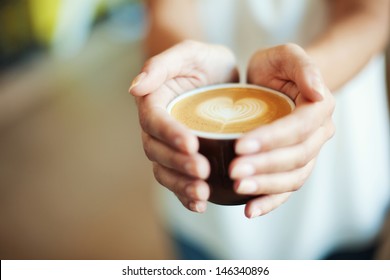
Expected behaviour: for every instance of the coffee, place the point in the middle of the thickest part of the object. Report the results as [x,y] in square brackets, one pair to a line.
[230,110]
[219,115]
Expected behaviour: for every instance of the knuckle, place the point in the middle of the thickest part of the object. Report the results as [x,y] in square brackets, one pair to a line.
[184,201]
[332,105]
[189,43]
[269,162]
[144,120]
[301,127]
[174,183]
[151,62]
[153,126]
[303,156]
[173,159]
[170,158]
[157,173]
[330,130]
[332,102]
[304,129]
[146,140]
[300,179]
[298,184]
[169,133]
[281,198]
[178,187]
[267,139]
[290,47]
[303,174]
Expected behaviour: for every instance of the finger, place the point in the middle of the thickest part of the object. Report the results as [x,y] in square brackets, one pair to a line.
[173,62]
[282,159]
[274,183]
[194,165]
[305,74]
[289,69]
[199,63]
[156,122]
[159,69]
[264,204]
[198,206]
[191,192]
[134,85]
[290,130]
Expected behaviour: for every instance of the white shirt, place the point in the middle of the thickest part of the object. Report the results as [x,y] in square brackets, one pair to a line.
[344,201]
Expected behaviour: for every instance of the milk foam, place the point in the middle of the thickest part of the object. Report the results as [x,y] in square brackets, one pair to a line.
[223,109]
[228,110]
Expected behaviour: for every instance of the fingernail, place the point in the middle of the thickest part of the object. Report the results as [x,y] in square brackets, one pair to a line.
[242,170]
[137,80]
[201,206]
[255,213]
[197,206]
[247,187]
[247,146]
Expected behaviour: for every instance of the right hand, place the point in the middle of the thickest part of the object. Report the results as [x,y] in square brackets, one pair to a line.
[171,146]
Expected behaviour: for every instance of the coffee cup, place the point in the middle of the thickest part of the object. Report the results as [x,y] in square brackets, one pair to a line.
[218,115]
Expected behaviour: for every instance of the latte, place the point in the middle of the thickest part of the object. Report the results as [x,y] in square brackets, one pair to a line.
[219,115]
[231,109]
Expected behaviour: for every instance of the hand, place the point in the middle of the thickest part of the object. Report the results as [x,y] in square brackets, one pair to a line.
[171,147]
[276,159]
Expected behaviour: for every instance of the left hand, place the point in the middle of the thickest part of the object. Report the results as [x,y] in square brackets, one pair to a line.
[276,159]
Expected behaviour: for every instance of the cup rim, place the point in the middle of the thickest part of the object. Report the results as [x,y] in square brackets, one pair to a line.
[223,136]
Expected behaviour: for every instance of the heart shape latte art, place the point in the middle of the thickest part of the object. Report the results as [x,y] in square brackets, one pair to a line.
[225,110]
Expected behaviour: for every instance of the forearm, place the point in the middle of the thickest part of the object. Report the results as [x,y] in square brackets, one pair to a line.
[170,22]
[358,30]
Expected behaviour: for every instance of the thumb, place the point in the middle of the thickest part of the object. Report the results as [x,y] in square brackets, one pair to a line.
[163,67]
[287,63]
[305,73]
[308,77]
[134,87]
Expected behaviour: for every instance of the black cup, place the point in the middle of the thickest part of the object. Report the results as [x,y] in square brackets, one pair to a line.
[220,153]
[218,148]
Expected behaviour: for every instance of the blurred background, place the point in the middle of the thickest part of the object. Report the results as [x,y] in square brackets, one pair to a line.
[74,181]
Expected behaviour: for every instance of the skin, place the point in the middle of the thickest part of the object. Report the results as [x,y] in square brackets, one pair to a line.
[274,160]
[171,147]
